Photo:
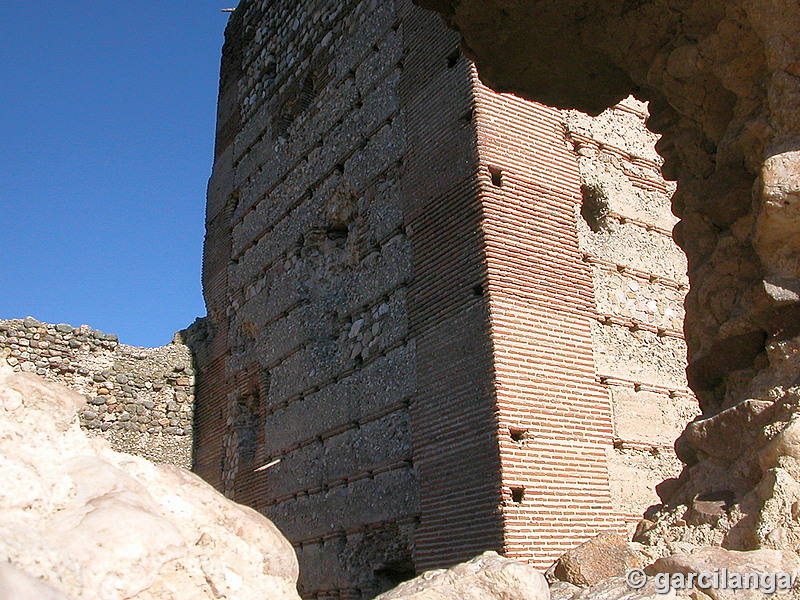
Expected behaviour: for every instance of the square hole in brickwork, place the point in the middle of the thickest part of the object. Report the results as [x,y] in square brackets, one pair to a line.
[496,175]
[518,434]
[452,59]
[477,290]
[517,494]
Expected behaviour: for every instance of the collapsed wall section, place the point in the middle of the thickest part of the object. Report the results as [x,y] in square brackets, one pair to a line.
[639,279]
[310,426]
[139,399]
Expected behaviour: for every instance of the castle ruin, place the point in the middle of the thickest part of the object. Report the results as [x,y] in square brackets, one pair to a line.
[723,82]
[441,320]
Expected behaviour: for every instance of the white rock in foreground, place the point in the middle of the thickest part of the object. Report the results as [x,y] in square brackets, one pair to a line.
[486,577]
[79,521]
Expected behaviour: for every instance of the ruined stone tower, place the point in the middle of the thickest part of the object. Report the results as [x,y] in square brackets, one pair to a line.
[441,320]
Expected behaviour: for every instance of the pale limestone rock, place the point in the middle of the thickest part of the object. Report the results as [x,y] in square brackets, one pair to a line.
[17,585]
[81,521]
[708,560]
[561,590]
[485,577]
[617,588]
[778,220]
[786,443]
[711,559]
[730,432]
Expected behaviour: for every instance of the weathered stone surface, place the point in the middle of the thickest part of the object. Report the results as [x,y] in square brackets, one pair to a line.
[81,521]
[605,555]
[730,433]
[561,590]
[617,588]
[639,280]
[710,508]
[786,443]
[739,576]
[17,585]
[486,577]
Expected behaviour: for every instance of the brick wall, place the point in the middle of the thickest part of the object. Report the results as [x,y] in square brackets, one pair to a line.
[453,415]
[554,419]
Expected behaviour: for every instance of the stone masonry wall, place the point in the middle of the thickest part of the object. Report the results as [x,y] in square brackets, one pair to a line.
[307,264]
[723,80]
[639,274]
[139,399]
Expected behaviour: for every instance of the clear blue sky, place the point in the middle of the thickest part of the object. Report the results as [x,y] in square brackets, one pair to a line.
[107,136]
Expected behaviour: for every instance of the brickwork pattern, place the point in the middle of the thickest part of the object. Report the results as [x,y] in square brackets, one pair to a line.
[555,422]
[453,413]
[140,399]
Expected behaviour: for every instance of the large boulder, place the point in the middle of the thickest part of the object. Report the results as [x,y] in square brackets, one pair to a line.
[605,555]
[79,521]
[485,577]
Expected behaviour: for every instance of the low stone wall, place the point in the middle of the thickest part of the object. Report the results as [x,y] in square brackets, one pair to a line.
[139,399]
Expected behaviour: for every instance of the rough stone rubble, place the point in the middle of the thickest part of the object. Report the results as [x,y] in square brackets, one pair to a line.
[140,399]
